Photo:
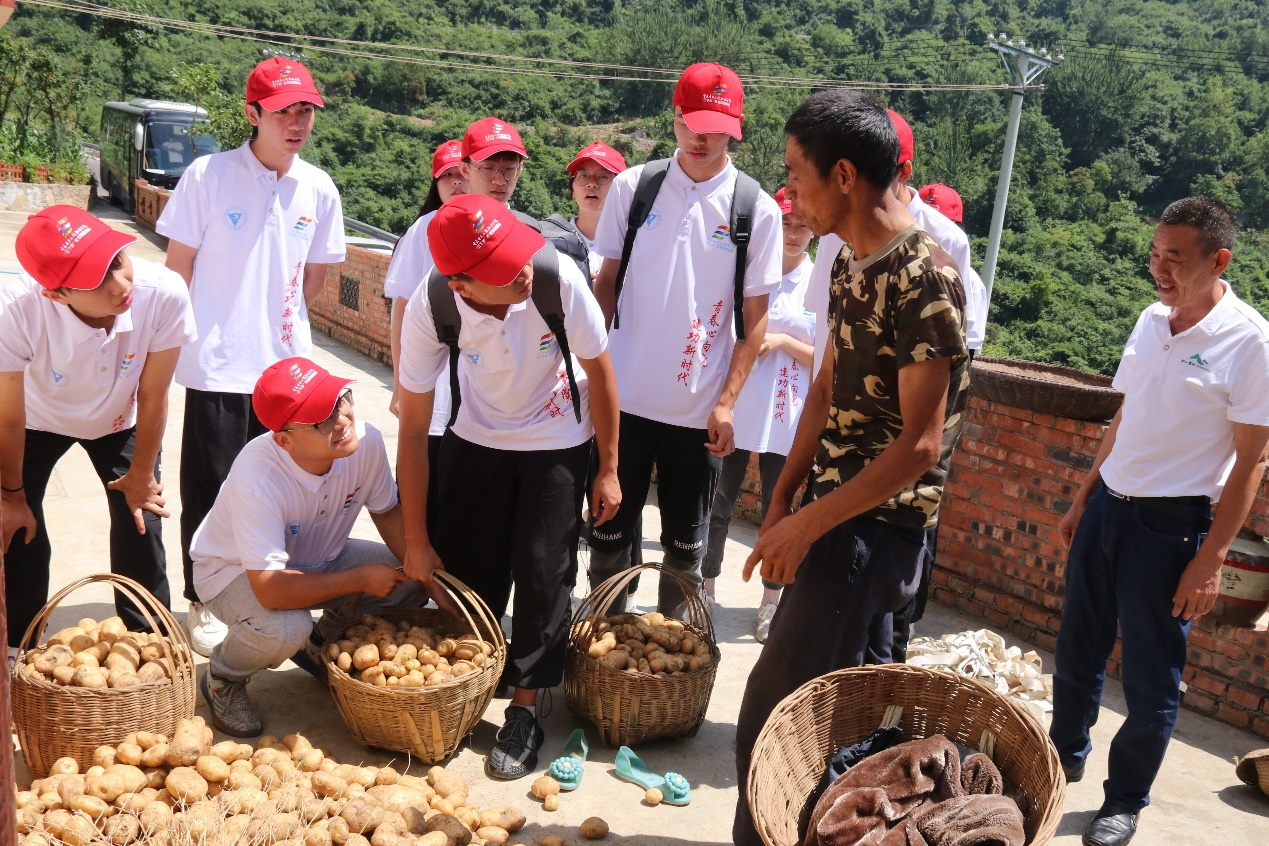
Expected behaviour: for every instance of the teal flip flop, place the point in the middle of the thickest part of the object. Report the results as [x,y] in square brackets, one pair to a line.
[675,789]
[567,769]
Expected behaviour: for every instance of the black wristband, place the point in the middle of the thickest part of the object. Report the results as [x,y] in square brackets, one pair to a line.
[12,490]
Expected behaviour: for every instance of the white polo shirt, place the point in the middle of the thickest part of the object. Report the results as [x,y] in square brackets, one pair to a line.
[817,293]
[1182,395]
[272,515]
[674,343]
[79,381]
[407,271]
[948,235]
[767,410]
[513,385]
[254,234]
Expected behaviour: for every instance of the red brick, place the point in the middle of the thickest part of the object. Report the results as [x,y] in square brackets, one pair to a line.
[1246,697]
[1260,727]
[1233,716]
[1200,702]
[1210,684]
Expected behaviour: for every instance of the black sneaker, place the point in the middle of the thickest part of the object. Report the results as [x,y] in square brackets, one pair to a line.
[515,754]
[310,660]
[232,711]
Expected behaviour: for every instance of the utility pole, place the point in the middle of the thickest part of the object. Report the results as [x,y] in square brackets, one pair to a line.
[1025,65]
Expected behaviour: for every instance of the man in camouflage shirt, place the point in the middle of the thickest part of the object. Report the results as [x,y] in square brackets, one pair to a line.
[879,422]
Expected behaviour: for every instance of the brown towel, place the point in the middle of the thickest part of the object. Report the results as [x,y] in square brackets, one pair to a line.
[905,776]
[979,775]
[965,821]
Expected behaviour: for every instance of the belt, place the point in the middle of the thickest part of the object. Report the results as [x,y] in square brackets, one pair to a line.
[1161,502]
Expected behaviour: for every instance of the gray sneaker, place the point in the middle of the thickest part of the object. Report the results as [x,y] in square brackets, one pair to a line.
[232,711]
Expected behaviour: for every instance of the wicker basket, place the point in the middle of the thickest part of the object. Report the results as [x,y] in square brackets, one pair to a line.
[843,707]
[56,721]
[428,722]
[1046,388]
[629,708]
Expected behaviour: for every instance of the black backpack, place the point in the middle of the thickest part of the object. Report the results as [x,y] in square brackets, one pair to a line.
[744,199]
[566,240]
[546,298]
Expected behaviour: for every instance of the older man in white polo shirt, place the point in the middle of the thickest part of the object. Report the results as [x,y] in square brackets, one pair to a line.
[276,542]
[88,341]
[252,231]
[513,465]
[1145,556]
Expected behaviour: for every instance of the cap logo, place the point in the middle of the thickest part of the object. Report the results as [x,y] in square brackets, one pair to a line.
[497,127]
[64,227]
[296,373]
[302,380]
[286,71]
[720,88]
[478,221]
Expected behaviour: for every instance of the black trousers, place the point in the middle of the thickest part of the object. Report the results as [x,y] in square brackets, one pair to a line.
[510,515]
[217,427]
[132,554]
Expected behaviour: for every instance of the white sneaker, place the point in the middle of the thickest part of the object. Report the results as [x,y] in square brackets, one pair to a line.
[765,613]
[631,606]
[205,631]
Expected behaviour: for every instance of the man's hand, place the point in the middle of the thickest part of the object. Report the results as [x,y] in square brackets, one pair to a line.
[420,562]
[15,515]
[441,596]
[722,432]
[605,497]
[394,404]
[379,579]
[781,548]
[143,493]
[1070,522]
[1200,583]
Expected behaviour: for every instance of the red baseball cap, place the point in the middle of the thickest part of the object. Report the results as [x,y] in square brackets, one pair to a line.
[277,83]
[295,390]
[600,153]
[785,204]
[944,199]
[711,98]
[66,247]
[907,146]
[448,155]
[489,136]
[478,236]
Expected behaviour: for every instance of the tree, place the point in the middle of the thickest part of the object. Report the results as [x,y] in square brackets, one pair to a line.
[129,35]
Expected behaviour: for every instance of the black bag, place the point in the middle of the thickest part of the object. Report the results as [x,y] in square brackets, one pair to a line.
[743,200]
[546,299]
[561,235]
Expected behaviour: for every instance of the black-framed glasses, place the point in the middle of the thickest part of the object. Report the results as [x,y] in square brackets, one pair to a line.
[490,172]
[602,177]
[326,427]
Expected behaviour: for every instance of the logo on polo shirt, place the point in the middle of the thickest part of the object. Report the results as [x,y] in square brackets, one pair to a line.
[721,238]
[654,219]
[294,529]
[235,217]
[348,500]
[302,229]
[58,376]
[473,356]
[126,363]
[546,345]
[1196,360]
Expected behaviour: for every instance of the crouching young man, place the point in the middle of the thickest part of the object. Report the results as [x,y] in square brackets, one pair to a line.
[513,463]
[88,344]
[275,543]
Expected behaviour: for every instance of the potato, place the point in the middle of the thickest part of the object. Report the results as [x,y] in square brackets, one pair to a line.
[226,750]
[654,796]
[242,801]
[453,828]
[66,675]
[148,739]
[64,766]
[78,831]
[188,743]
[86,658]
[65,636]
[339,832]
[154,756]
[366,656]
[310,761]
[361,815]
[593,828]
[435,838]
[111,629]
[328,784]
[107,788]
[551,803]
[68,787]
[128,753]
[184,784]
[155,816]
[104,755]
[133,778]
[90,677]
[212,768]
[153,671]
[493,834]
[507,817]
[92,806]
[545,786]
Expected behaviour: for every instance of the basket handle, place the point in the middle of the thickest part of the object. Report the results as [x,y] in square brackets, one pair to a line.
[145,602]
[600,601]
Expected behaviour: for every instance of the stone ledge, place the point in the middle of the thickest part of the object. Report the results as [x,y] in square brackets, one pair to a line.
[34,196]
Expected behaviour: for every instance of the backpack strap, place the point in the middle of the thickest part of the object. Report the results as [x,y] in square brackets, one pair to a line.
[744,199]
[650,179]
[448,324]
[547,300]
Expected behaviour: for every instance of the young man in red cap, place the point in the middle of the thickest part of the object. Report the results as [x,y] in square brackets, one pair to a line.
[88,342]
[276,542]
[252,231]
[679,366]
[513,467]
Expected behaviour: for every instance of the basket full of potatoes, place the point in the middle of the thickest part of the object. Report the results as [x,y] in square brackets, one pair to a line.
[96,682]
[417,680]
[640,676]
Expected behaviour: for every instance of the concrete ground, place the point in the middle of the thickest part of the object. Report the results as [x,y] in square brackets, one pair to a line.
[1197,798]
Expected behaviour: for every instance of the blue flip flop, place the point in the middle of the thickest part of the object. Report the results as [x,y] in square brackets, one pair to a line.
[567,769]
[675,789]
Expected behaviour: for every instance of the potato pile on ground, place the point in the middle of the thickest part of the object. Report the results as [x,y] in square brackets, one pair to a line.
[648,644]
[385,654]
[187,792]
[96,655]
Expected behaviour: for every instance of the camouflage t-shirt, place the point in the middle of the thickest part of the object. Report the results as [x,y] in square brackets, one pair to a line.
[901,305]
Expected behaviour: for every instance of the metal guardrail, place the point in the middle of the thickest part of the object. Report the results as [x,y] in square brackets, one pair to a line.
[370,231]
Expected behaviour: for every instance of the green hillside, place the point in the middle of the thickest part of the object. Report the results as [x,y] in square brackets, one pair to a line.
[1155,100]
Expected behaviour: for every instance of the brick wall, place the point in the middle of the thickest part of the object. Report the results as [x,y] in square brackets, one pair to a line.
[150,203]
[352,308]
[1000,557]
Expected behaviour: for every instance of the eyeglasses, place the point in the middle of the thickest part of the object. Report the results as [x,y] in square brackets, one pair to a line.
[491,172]
[603,177]
[327,426]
